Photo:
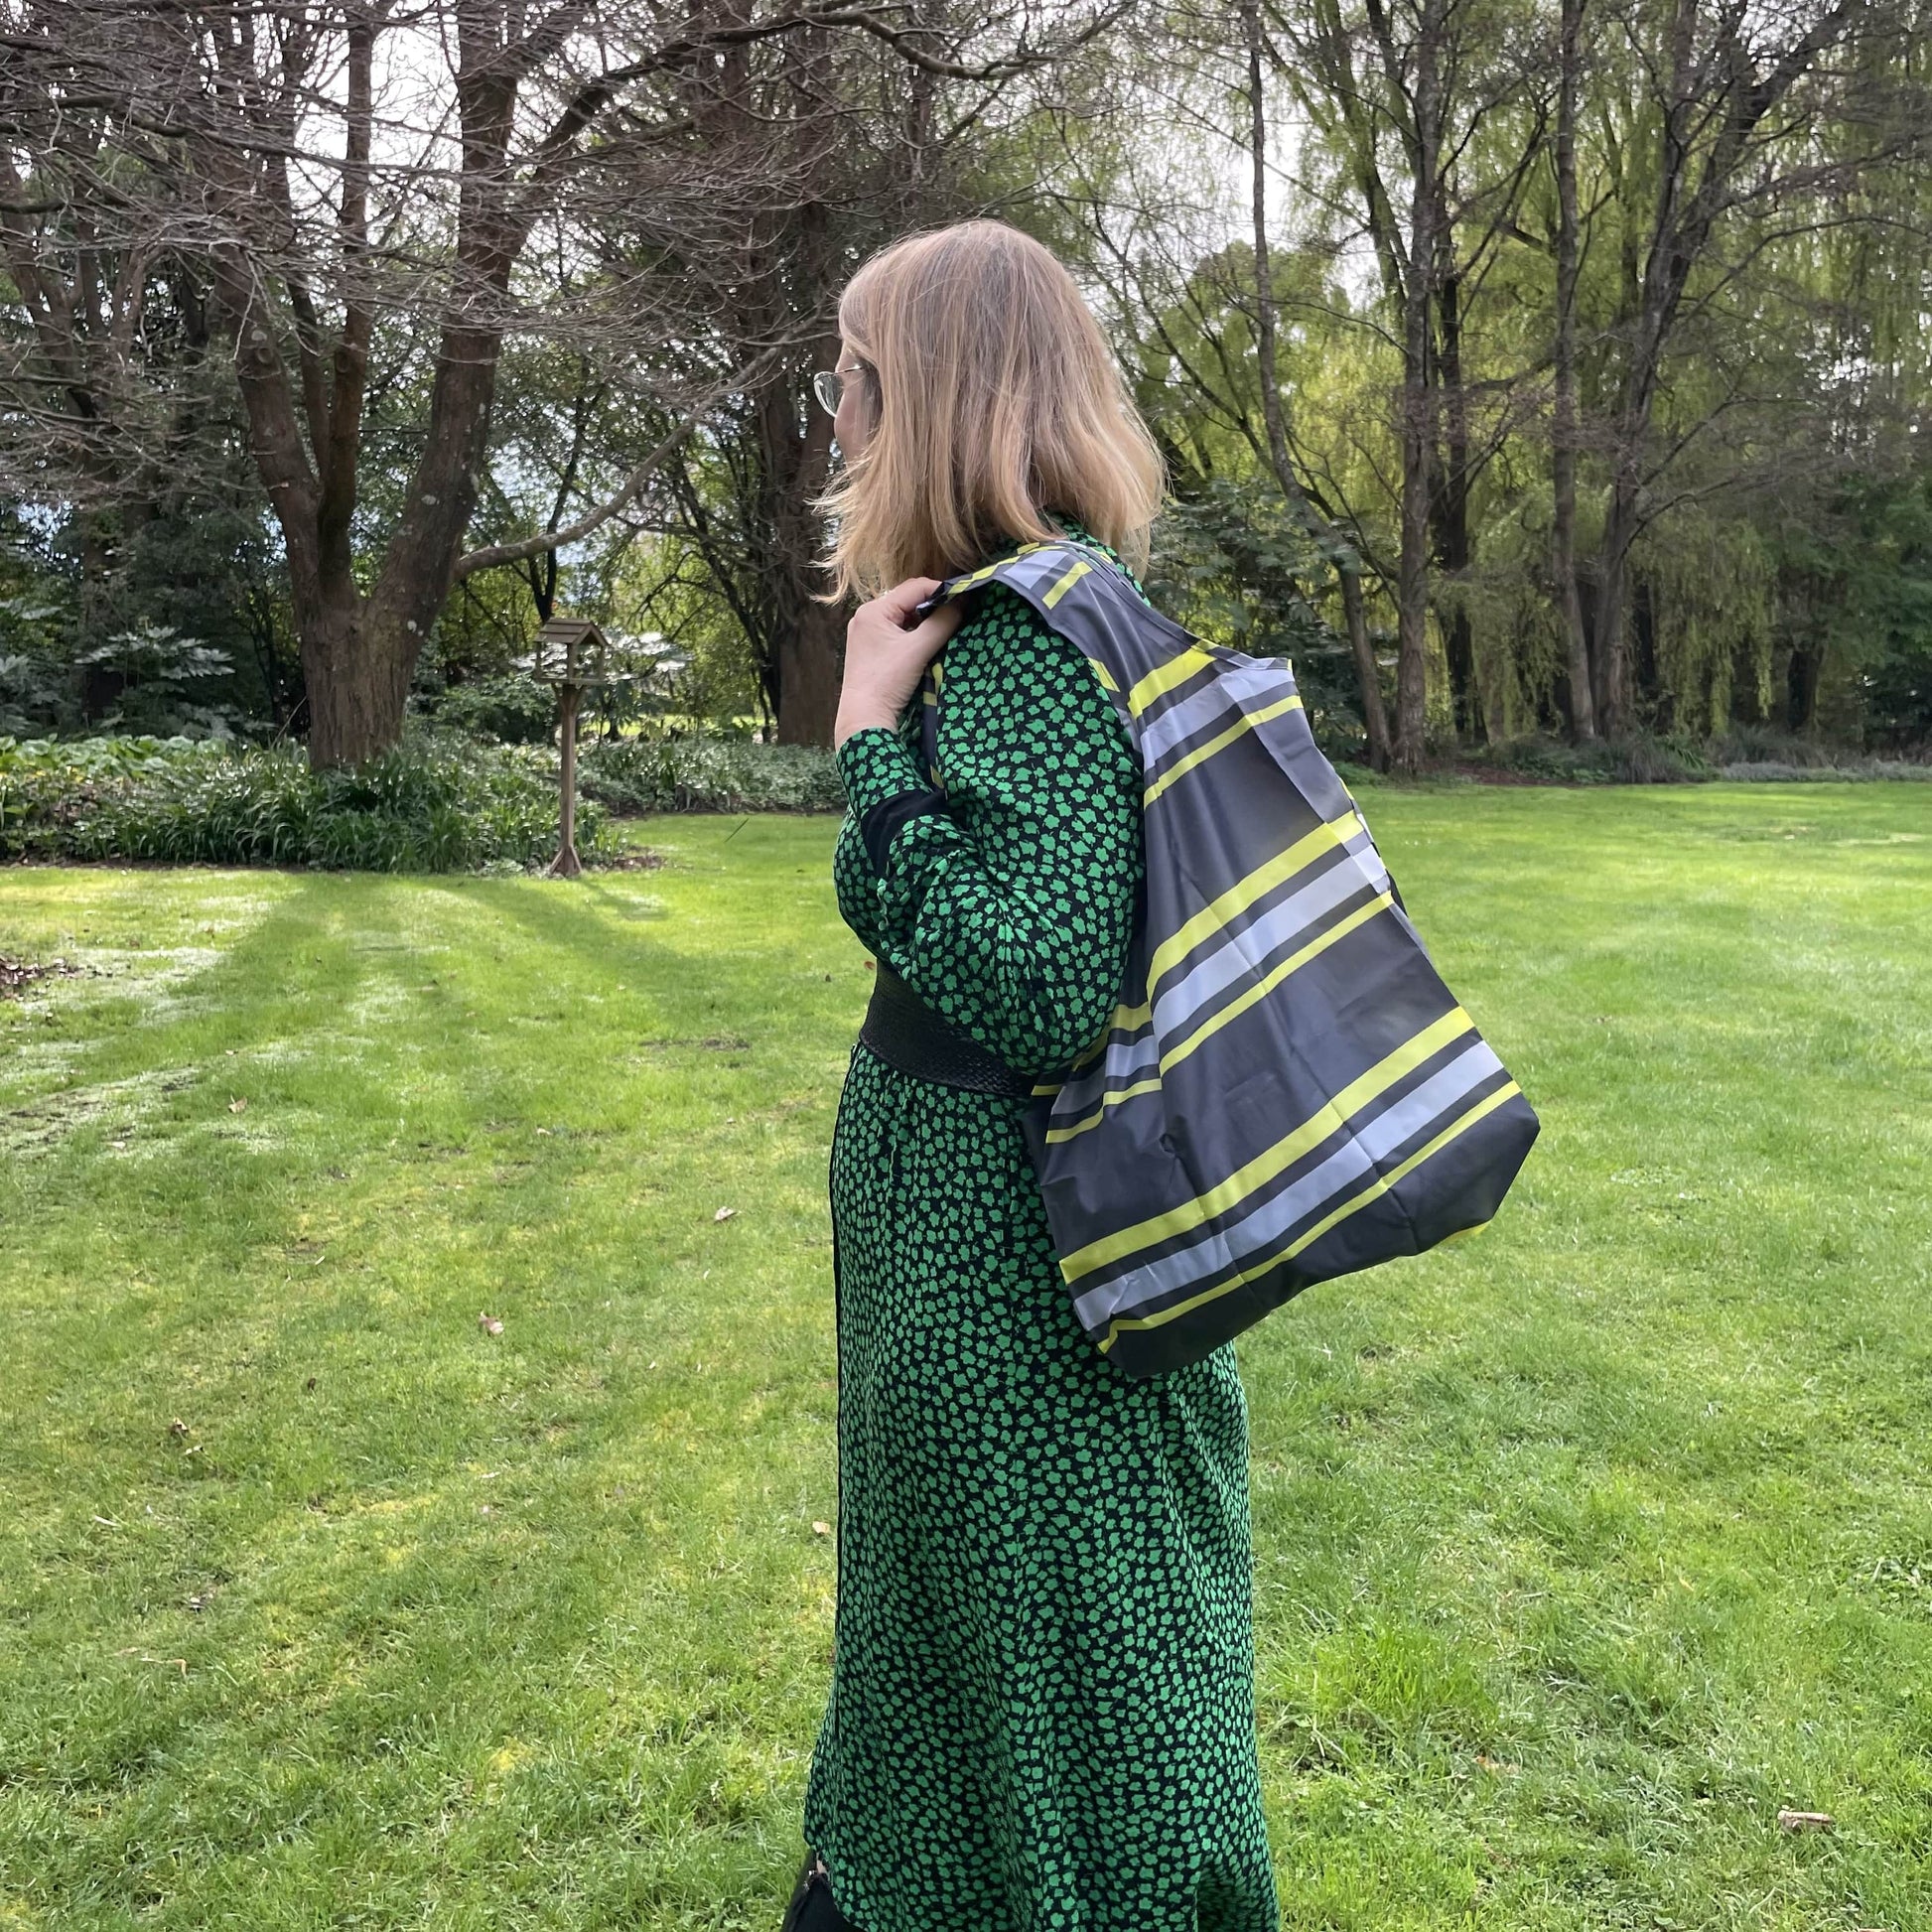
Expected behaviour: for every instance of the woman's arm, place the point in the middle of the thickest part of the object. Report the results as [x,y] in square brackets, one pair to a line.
[1007,904]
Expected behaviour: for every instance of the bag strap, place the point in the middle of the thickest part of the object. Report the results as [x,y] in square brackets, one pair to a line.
[928,702]
[932,683]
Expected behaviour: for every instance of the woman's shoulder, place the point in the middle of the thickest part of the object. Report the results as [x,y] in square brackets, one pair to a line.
[1004,644]
[1014,692]
[1007,653]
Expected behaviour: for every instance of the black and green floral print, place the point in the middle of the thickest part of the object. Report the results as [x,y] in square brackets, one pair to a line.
[1041,1714]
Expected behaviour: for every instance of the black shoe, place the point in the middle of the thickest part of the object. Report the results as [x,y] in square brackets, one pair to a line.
[812,1908]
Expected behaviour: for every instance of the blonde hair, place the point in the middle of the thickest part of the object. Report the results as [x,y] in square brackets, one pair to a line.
[995,399]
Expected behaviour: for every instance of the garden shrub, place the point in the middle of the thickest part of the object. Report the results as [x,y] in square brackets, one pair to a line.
[709,775]
[1769,755]
[504,710]
[1354,776]
[436,803]
[1769,745]
[1849,770]
[1641,758]
[1750,753]
[1633,759]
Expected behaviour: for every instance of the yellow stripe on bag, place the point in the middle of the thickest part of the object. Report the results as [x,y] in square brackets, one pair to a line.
[1488,1104]
[985,571]
[1243,893]
[1233,1010]
[1213,744]
[1164,677]
[1272,1160]
[1262,988]
[1080,1126]
[1065,584]
[1126,1020]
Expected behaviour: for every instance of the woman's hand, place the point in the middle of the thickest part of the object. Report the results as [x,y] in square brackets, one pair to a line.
[883,660]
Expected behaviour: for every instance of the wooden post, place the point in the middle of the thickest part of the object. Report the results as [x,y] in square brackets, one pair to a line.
[582,663]
[567,864]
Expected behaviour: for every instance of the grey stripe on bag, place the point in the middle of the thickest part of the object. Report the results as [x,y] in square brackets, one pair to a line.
[1221,703]
[1241,954]
[1224,1250]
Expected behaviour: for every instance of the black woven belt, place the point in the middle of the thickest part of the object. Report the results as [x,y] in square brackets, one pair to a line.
[907,1035]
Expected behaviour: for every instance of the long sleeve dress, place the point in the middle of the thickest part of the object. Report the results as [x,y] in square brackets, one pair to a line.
[1041,1714]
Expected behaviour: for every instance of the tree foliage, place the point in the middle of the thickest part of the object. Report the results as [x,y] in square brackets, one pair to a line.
[1523,366]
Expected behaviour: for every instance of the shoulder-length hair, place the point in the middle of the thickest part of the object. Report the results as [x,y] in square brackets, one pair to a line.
[994,400]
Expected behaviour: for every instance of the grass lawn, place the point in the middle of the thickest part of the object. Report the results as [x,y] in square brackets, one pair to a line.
[1581,1547]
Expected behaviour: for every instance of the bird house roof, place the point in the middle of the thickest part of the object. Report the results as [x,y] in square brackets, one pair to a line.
[565,632]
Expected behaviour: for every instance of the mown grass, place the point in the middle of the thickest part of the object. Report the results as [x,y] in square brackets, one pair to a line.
[1581,1547]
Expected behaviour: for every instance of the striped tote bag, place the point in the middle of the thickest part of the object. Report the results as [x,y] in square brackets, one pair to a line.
[1286,1090]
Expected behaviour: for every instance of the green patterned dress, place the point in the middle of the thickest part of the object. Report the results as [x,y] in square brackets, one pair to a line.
[1042,1715]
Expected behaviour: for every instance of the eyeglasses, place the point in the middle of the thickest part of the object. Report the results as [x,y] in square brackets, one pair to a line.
[828,385]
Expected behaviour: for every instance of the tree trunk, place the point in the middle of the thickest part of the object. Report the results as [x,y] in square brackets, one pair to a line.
[1368,674]
[1612,682]
[807,636]
[350,694]
[809,674]
[419,567]
[1696,184]
[1452,504]
[359,652]
[1801,689]
[1375,719]
[1562,439]
[1418,409]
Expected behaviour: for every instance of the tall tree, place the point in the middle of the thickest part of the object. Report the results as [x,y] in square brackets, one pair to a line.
[1332,543]
[1563,442]
[1398,94]
[318,166]
[1733,90]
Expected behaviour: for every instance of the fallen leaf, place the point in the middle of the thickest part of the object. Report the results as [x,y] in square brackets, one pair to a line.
[1805,1821]
[238,1105]
[177,1426]
[723,1215]
[490,1324]
[821,1529]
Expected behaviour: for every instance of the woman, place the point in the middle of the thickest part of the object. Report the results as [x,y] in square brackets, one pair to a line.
[1042,1711]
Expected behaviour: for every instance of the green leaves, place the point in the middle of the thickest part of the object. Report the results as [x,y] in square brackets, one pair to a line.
[437,803]
[710,773]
